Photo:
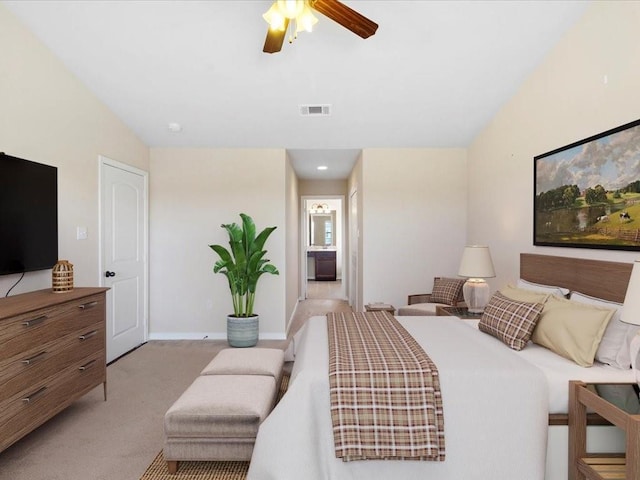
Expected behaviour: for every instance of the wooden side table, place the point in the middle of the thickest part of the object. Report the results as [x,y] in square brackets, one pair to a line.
[460,312]
[618,403]
[380,307]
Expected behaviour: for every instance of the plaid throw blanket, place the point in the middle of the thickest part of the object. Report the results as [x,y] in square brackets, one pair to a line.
[385,391]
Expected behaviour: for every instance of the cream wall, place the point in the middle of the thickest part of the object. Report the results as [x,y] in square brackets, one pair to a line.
[193,192]
[413,220]
[48,116]
[323,187]
[354,250]
[566,99]
[292,242]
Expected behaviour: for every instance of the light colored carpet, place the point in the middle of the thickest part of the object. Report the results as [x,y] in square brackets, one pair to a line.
[118,439]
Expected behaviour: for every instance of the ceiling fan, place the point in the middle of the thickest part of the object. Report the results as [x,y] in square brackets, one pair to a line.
[283,12]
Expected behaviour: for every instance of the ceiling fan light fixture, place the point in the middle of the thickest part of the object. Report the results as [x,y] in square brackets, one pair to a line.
[290,8]
[275,18]
[283,13]
[306,20]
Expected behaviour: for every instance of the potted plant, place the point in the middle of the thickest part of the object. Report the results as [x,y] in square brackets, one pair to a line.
[243,266]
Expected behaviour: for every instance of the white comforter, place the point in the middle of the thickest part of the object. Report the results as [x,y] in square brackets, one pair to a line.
[485,390]
[559,371]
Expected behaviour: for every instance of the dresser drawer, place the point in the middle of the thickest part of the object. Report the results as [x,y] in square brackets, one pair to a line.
[22,413]
[52,351]
[25,332]
[21,371]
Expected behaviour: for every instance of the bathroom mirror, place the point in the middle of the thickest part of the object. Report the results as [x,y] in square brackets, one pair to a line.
[322,228]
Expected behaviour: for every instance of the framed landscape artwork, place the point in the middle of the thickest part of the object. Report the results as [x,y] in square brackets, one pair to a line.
[587,194]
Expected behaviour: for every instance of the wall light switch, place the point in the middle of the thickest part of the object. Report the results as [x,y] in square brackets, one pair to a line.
[81,233]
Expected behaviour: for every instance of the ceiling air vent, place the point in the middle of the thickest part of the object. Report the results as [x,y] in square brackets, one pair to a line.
[315,110]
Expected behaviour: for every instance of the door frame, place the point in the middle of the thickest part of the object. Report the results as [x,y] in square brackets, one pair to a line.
[102,160]
[354,251]
[304,241]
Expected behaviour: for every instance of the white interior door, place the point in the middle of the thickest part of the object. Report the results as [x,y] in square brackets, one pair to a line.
[124,254]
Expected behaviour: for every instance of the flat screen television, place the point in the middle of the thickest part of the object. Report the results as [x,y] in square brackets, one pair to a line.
[28,215]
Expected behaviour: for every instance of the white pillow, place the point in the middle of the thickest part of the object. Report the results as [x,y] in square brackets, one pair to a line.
[562,292]
[615,346]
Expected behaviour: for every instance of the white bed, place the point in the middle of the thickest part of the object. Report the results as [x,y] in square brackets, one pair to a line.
[498,403]
[296,440]
[558,371]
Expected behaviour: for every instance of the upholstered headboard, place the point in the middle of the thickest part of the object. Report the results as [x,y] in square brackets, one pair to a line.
[602,279]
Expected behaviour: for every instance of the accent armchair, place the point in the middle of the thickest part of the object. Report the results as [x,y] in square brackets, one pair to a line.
[446,292]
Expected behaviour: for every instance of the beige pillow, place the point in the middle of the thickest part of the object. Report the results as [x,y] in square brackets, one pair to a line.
[524,295]
[571,329]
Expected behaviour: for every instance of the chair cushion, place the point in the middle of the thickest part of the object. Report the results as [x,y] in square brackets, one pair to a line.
[419,309]
[221,406]
[246,361]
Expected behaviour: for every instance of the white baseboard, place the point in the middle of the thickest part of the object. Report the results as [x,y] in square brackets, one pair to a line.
[207,336]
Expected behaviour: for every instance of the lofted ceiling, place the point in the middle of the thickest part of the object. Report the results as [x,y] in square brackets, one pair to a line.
[433,75]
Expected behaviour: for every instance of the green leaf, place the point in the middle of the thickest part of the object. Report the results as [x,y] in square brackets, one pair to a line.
[243,263]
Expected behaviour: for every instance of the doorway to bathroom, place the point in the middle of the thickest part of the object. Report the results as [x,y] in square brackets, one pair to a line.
[323,247]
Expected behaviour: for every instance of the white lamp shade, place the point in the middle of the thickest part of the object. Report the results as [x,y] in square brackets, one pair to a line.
[476,262]
[631,309]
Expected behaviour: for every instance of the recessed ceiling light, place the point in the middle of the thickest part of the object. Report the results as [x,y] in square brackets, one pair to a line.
[175,127]
[322,167]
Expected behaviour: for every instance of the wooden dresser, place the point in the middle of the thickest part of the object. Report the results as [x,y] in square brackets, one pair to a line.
[52,351]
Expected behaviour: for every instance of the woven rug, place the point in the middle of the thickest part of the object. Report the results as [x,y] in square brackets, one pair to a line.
[204,470]
[197,470]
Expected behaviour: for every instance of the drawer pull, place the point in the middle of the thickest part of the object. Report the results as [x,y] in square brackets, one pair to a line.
[86,366]
[34,321]
[85,306]
[35,358]
[88,335]
[34,395]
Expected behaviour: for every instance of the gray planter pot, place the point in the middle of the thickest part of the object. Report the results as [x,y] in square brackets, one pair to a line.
[242,331]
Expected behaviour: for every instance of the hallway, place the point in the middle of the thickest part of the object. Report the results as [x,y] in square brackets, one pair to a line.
[324,290]
[322,297]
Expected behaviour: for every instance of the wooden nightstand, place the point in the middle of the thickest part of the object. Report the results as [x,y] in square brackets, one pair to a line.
[380,307]
[618,403]
[460,312]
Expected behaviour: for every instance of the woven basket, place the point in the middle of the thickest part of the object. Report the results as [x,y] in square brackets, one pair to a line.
[62,276]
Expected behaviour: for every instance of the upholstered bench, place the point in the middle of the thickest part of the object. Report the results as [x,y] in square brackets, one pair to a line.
[247,361]
[218,416]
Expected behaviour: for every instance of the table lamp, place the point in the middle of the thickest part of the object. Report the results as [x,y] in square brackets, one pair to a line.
[476,265]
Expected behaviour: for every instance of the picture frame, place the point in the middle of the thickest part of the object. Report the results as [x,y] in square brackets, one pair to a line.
[587,194]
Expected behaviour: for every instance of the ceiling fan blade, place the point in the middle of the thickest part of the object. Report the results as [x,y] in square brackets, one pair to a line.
[275,39]
[345,16]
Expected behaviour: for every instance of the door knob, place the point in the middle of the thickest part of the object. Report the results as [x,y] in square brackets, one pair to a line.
[109,274]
